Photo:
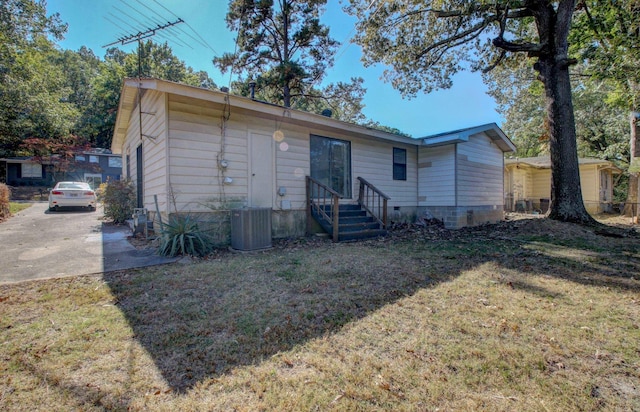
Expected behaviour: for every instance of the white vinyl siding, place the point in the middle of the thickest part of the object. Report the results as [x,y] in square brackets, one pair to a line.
[373,161]
[436,174]
[194,145]
[153,149]
[479,172]
[292,165]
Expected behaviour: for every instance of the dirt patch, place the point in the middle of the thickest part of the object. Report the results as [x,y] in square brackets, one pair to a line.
[534,226]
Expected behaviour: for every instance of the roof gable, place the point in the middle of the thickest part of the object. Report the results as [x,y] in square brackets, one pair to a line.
[462,135]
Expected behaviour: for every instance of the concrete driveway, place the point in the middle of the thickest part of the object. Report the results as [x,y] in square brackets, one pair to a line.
[38,244]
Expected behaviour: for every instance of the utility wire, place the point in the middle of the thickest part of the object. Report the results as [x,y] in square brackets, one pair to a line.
[188,25]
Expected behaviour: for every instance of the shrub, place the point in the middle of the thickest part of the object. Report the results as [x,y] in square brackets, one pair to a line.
[182,236]
[118,198]
[5,195]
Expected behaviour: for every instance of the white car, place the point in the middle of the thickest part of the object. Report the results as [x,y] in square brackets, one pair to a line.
[74,194]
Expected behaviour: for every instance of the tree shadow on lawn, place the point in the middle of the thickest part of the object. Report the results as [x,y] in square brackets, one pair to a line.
[201,321]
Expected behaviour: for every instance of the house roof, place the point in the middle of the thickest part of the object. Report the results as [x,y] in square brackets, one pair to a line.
[129,96]
[131,87]
[544,162]
[26,159]
[462,135]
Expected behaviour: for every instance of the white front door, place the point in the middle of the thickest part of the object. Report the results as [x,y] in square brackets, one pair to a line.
[94,180]
[261,171]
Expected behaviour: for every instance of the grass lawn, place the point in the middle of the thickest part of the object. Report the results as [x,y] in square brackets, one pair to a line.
[530,315]
[16,207]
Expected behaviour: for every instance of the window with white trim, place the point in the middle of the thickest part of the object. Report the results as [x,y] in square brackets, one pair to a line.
[399,164]
[32,170]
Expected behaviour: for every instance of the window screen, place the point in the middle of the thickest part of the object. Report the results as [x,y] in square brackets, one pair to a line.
[399,164]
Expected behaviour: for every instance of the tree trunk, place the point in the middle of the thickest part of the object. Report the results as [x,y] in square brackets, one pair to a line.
[553,67]
[286,94]
[631,206]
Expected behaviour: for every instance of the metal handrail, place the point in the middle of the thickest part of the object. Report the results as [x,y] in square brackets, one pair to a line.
[373,200]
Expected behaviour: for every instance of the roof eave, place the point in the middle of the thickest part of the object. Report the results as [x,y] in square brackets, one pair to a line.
[459,136]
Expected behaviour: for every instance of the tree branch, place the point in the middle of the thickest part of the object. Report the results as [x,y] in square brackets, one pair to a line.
[477,29]
[534,49]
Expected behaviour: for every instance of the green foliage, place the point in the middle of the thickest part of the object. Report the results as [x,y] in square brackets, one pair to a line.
[280,43]
[182,235]
[50,94]
[118,198]
[33,94]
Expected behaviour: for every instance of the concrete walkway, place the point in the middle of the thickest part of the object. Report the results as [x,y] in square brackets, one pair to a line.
[38,244]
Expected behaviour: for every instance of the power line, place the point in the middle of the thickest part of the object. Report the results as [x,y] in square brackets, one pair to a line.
[192,29]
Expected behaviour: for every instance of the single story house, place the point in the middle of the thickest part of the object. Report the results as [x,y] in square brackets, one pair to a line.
[194,150]
[528,184]
[94,166]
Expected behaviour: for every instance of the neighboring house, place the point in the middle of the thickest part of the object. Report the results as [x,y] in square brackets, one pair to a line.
[528,184]
[94,166]
[194,150]
[25,171]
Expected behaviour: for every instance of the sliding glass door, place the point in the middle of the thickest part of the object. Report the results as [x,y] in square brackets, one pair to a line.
[331,163]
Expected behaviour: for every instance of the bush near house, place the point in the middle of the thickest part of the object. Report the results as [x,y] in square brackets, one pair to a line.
[5,195]
[118,198]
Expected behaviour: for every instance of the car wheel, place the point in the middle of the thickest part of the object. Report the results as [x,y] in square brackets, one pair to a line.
[52,209]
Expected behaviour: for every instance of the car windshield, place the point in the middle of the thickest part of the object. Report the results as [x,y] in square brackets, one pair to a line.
[73,185]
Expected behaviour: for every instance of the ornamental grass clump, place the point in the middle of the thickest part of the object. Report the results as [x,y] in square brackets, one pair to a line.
[5,195]
[182,235]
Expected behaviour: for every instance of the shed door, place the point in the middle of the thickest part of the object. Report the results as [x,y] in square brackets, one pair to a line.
[139,177]
[261,170]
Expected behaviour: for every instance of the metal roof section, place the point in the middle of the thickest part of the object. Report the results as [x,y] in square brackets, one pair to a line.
[462,135]
[544,162]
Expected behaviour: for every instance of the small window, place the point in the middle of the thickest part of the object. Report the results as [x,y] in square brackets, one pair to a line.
[115,161]
[80,158]
[399,164]
[94,159]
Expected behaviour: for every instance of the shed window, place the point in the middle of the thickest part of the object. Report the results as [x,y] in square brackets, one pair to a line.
[80,158]
[399,164]
[94,159]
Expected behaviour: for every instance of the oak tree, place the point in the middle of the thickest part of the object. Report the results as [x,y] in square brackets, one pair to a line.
[426,42]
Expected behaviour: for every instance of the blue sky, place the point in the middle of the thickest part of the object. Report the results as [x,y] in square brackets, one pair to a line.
[91,23]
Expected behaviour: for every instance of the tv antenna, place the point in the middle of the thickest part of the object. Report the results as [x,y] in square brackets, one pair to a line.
[141,35]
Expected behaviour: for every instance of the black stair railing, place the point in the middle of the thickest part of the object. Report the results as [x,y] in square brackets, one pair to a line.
[374,201]
[319,196]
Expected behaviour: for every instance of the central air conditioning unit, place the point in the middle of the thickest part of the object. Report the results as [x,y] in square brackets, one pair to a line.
[251,228]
